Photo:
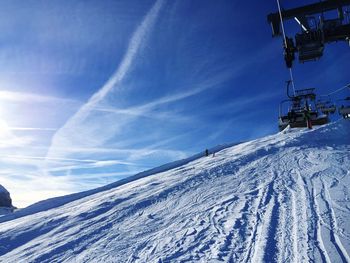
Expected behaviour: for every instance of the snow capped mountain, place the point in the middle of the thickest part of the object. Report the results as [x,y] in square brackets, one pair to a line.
[282,198]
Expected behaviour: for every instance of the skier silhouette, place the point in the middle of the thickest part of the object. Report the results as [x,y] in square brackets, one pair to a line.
[307,118]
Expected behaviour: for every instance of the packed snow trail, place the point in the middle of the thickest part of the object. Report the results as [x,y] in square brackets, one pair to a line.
[282,198]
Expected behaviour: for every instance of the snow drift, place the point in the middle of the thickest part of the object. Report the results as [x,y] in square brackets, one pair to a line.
[282,198]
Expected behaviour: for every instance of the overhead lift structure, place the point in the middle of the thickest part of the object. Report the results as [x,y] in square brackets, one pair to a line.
[316,30]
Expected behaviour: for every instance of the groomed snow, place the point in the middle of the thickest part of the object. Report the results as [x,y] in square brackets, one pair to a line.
[282,198]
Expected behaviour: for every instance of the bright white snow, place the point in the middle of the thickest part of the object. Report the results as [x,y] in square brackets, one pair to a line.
[282,198]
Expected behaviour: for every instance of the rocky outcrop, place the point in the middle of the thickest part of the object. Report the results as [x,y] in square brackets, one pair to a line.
[5,199]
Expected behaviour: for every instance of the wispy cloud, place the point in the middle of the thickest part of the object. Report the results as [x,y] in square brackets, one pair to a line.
[10,140]
[82,123]
[31,129]
[14,96]
[147,109]
[90,165]
[86,140]
[98,120]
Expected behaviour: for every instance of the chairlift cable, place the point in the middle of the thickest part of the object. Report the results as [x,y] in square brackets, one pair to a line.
[292,79]
[282,25]
[285,42]
[336,91]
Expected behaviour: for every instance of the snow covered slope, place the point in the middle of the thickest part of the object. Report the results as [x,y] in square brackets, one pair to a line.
[282,198]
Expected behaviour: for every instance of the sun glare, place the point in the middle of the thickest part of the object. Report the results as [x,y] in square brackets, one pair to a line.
[4,128]
[7,95]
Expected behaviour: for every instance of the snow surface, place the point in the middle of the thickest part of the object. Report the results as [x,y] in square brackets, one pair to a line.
[282,198]
[5,211]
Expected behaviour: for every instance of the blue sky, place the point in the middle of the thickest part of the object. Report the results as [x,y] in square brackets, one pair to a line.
[93,91]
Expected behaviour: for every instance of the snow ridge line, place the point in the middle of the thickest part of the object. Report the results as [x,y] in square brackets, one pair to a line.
[318,232]
[283,229]
[225,244]
[286,222]
[237,237]
[257,218]
[245,226]
[299,204]
[333,225]
[313,238]
[263,233]
[302,203]
[260,232]
[295,228]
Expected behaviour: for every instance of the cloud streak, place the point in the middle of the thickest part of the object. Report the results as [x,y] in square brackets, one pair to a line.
[31,129]
[10,140]
[82,123]
[147,109]
[14,96]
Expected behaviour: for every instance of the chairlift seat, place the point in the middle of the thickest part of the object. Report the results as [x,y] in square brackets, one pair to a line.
[299,121]
[331,24]
[320,105]
[310,45]
[310,53]
[320,120]
[344,110]
[329,109]
[305,93]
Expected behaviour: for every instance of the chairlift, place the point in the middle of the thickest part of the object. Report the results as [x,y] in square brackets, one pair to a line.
[320,105]
[315,33]
[300,106]
[326,107]
[305,94]
[309,45]
[344,110]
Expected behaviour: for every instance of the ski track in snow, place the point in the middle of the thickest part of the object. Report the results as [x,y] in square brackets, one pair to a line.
[282,198]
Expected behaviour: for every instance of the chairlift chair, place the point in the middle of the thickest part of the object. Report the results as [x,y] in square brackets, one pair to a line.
[326,107]
[305,94]
[300,106]
[344,110]
[320,105]
[329,109]
[309,45]
[310,42]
